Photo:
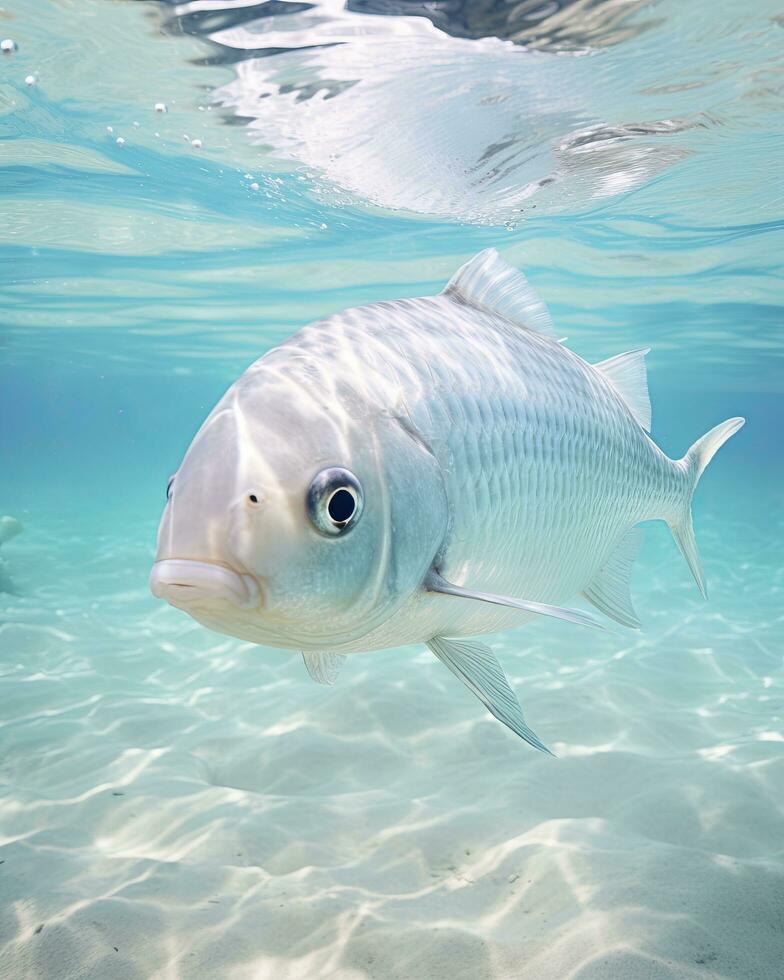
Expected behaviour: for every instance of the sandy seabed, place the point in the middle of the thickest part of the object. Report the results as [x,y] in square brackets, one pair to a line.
[179,804]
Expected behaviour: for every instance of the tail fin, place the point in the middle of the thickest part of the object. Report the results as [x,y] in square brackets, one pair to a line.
[694,462]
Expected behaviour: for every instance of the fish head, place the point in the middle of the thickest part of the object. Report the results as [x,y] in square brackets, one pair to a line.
[300,516]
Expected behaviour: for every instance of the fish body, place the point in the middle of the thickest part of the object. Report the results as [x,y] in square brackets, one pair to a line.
[9,528]
[499,474]
[544,467]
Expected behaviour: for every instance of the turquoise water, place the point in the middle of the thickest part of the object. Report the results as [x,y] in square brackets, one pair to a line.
[180,804]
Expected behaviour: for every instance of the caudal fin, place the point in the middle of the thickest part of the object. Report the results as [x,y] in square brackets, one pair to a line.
[694,462]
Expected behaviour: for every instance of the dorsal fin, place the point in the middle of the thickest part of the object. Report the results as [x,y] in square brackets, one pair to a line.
[627,374]
[493,285]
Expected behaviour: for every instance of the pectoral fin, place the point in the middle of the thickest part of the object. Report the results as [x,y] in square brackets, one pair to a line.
[476,666]
[323,667]
[435,583]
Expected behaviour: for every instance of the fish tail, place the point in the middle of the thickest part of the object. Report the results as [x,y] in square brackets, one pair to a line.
[694,463]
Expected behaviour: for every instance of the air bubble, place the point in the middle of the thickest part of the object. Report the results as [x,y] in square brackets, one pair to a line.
[254,186]
[110,129]
[120,141]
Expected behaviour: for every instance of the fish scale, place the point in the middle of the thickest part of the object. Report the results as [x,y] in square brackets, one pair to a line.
[544,466]
[544,473]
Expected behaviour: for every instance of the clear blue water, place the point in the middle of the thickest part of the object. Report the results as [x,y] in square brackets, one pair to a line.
[196,802]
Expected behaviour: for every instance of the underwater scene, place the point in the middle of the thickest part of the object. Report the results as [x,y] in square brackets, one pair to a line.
[185,185]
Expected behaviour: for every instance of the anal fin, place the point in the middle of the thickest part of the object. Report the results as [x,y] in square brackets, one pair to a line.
[609,591]
[322,666]
[477,667]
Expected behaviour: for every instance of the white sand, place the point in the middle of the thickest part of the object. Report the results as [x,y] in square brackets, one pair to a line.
[176,804]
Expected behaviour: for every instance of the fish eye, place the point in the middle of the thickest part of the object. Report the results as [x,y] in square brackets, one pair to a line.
[334,501]
[169,486]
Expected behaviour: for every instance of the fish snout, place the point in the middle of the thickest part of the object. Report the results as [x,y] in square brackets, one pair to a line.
[183,583]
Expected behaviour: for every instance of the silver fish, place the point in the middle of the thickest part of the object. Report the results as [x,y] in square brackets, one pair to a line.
[421,471]
[9,528]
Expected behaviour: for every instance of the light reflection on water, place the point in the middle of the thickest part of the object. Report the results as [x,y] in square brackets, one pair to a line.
[230,247]
[546,108]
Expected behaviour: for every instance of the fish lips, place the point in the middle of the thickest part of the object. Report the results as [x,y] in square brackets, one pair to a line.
[184,582]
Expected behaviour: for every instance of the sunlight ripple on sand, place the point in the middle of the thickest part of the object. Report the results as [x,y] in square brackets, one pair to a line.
[178,803]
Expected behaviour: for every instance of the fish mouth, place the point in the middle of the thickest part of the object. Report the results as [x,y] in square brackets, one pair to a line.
[184,582]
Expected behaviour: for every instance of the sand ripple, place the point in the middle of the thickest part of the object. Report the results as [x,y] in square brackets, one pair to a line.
[183,805]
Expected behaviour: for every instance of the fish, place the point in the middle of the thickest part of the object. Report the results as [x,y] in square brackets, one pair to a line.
[424,471]
[9,528]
